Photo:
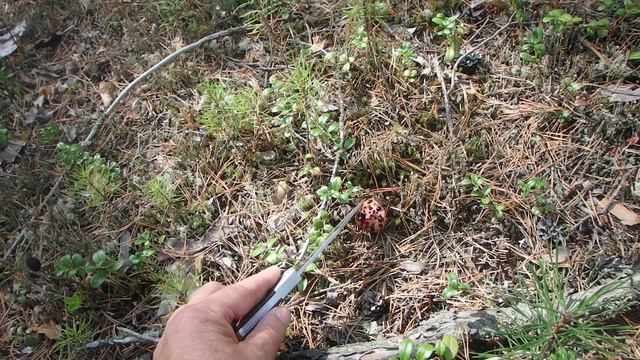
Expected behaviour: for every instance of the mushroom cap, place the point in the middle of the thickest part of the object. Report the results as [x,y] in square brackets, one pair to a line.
[371,216]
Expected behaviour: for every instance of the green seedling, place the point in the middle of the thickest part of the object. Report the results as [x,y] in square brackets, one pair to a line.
[77,333]
[335,191]
[560,20]
[229,110]
[455,287]
[620,9]
[361,12]
[146,247]
[71,154]
[634,56]
[100,266]
[74,302]
[49,134]
[536,188]
[406,56]
[598,28]
[95,181]
[446,348]
[482,191]
[572,86]
[451,28]
[359,39]
[271,251]
[533,48]
[546,324]
[162,192]
[522,15]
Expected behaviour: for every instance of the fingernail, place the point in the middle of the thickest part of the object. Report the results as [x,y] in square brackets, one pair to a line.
[283,314]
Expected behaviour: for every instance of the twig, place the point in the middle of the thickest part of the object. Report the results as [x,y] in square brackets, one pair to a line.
[131,338]
[336,162]
[134,84]
[96,126]
[445,94]
[455,65]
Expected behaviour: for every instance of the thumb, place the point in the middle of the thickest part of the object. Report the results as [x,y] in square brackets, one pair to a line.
[268,335]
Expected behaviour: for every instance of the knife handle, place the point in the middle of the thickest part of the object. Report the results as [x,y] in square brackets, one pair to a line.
[287,282]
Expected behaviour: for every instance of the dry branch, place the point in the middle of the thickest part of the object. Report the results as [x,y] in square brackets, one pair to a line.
[477,325]
[96,126]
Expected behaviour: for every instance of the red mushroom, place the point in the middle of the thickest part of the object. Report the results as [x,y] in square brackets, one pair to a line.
[371,216]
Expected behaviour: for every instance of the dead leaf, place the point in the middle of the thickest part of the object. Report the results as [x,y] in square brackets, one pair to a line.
[620,211]
[8,41]
[11,150]
[621,93]
[561,257]
[282,192]
[50,330]
[413,267]
[47,91]
[317,44]
[106,90]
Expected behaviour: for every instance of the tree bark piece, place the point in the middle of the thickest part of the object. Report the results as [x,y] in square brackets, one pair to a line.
[477,325]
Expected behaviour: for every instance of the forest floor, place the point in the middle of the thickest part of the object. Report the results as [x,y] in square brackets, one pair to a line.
[493,139]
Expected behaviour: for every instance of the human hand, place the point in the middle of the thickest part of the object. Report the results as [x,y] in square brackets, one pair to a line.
[203,328]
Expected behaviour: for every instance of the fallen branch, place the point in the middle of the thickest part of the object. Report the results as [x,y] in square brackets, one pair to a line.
[445,93]
[105,115]
[135,83]
[131,338]
[476,325]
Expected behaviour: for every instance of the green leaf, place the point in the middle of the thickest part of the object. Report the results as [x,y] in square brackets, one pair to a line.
[350,142]
[449,292]
[634,56]
[259,249]
[464,287]
[452,278]
[272,258]
[323,193]
[74,302]
[424,351]
[311,267]
[343,198]
[302,284]
[440,348]
[98,278]
[336,183]
[77,260]
[451,347]
[99,256]
[527,57]
[405,349]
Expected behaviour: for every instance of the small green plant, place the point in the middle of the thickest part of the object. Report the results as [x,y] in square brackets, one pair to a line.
[175,287]
[271,251]
[446,348]
[455,287]
[328,132]
[71,154]
[77,333]
[4,137]
[537,187]
[146,247]
[634,56]
[522,15]
[545,324]
[482,191]
[335,191]
[377,12]
[620,8]
[571,86]
[162,192]
[598,28]
[560,20]
[533,48]
[49,134]
[95,180]
[406,56]
[229,110]
[74,302]
[100,266]
[451,28]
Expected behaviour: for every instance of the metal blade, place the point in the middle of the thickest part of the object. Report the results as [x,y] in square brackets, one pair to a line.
[336,231]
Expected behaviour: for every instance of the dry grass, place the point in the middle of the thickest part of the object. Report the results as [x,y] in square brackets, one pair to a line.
[506,128]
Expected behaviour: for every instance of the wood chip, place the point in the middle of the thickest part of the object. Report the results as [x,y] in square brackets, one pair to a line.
[413,267]
[620,211]
[621,93]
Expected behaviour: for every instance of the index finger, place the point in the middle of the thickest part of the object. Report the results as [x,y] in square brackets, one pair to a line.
[234,301]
